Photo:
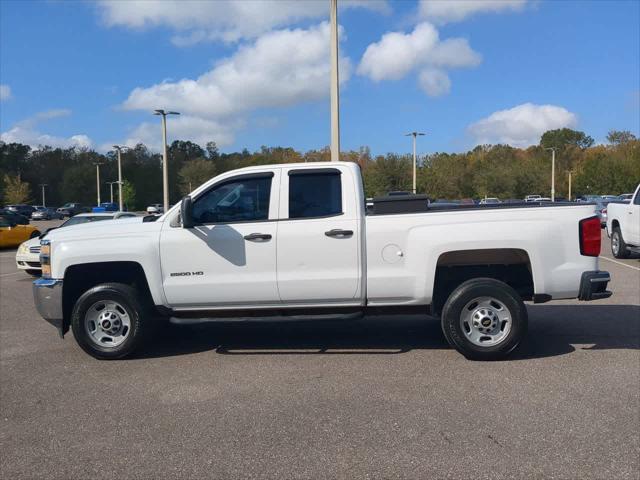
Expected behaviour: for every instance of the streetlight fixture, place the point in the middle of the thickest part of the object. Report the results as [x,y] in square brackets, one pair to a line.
[119,149]
[553,172]
[42,185]
[97,164]
[165,169]
[414,135]
[335,86]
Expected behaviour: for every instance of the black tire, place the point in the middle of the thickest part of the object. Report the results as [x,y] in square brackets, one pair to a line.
[138,313]
[469,291]
[623,251]
[34,273]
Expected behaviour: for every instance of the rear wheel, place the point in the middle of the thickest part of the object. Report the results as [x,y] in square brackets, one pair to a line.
[618,246]
[484,319]
[109,321]
[34,234]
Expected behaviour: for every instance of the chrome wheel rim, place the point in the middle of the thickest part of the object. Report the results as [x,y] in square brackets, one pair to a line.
[615,243]
[107,323]
[485,321]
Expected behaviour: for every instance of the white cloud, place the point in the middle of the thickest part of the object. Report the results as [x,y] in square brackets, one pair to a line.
[226,20]
[444,11]
[397,54]
[196,129]
[434,82]
[522,125]
[5,92]
[26,132]
[281,68]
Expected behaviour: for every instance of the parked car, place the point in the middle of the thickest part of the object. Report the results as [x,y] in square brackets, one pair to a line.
[610,198]
[72,208]
[532,198]
[21,209]
[28,254]
[12,233]
[490,201]
[588,198]
[623,226]
[106,207]
[601,211]
[155,209]
[625,196]
[15,217]
[294,239]
[46,213]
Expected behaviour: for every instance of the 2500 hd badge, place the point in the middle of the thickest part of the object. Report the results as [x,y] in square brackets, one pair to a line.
[185,274]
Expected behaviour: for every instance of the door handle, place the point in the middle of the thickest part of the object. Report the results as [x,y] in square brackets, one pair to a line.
[339,233]
[257,236]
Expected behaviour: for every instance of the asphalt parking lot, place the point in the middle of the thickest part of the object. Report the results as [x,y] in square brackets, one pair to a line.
[372,398]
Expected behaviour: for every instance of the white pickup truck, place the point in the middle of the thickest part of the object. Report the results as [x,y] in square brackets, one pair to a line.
[623,226]
[297,240]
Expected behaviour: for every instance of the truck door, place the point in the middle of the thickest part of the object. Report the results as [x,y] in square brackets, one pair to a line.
[229,257]
[319,237]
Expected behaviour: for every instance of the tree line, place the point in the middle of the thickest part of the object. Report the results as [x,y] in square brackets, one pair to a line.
[487,170]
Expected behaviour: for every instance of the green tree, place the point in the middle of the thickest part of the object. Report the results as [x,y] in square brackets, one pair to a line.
[129,195]
[194,173]
[15,190]
[618,137]
[565,136]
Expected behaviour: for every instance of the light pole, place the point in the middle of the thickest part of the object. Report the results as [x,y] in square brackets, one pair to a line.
[165,168]
[97,164]
[570,172]
[335,87]
[111,189]
[414,135]
[43,202]
[119,149]
[553,173]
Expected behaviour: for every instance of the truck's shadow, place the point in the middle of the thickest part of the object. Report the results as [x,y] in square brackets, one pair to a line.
[553,330]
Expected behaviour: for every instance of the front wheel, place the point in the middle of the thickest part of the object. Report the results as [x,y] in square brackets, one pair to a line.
[109,322]
[34,273]
[618,247]
[484,319]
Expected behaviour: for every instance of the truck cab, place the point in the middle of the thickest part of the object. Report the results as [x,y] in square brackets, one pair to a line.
[623,226]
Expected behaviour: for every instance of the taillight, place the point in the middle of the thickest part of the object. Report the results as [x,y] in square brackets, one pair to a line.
[590,236]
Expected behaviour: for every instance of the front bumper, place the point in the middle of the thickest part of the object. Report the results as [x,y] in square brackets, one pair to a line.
[47,295]
[593,286]
[28,261]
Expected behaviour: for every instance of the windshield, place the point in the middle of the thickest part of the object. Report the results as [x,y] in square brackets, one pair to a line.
[85,219]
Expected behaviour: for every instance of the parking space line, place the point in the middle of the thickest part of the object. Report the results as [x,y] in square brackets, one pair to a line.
[9,274]
[620,263]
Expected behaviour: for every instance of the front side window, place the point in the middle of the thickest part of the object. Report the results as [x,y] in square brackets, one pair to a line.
[636,201]
[315,194]
[240,200]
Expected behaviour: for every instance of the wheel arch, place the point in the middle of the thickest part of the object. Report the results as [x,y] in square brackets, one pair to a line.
[81,277]
[512,266]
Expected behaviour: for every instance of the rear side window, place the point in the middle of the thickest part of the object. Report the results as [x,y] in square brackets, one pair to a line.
[315,193]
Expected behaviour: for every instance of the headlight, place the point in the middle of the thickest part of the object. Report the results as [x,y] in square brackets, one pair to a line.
[45,258]
[23,248]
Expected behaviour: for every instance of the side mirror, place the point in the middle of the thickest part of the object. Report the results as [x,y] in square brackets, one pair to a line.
[186,212]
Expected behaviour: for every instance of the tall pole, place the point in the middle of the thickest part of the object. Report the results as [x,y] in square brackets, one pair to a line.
[111,189]
[165,161]
[570,185]
[44,204]
[97,164]
[335,87]
[119,152]
[553,175]
[415,157]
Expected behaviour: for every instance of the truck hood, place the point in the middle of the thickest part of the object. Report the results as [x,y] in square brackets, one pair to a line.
[103,229]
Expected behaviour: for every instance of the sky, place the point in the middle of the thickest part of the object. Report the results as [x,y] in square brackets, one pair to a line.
[256,72]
